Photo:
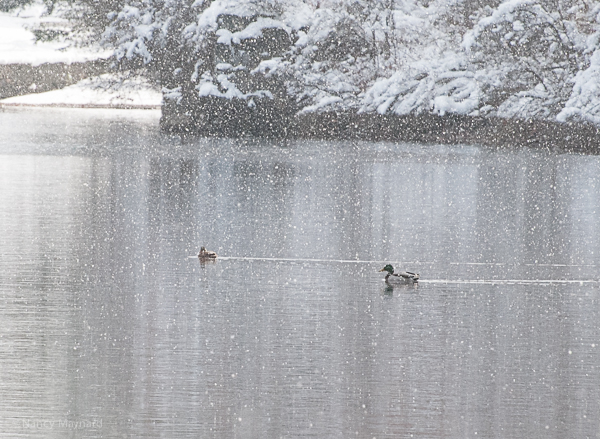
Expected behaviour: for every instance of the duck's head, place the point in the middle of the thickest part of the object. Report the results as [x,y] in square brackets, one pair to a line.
[388,268]
[202,249]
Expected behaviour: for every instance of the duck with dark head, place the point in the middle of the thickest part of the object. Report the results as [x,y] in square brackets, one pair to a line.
[206,254]
[403,277]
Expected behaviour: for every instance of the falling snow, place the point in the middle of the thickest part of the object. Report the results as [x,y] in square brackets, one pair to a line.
[159,283]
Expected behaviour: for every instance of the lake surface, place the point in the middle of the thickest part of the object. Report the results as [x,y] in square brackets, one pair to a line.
[110,327]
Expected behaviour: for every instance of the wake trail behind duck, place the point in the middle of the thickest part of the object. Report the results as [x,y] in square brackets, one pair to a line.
[508,281]
[360,261]
[434,281]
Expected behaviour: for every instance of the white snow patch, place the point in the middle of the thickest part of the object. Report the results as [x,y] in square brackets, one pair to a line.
[209,88]
[322,103]
[268,67]
[18,46]
[443,85]
[208,18]
[253,30]
[584,102]
[101,91]
[504,12]
[172,93]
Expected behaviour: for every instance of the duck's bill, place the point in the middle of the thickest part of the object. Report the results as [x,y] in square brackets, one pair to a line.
[383,269]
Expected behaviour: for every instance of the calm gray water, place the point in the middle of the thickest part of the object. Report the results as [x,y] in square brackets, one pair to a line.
[108,328]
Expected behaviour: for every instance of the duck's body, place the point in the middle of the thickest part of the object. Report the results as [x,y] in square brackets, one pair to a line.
[206,254]
[403,277]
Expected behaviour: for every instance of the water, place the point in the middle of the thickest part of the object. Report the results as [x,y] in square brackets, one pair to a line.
[108,328]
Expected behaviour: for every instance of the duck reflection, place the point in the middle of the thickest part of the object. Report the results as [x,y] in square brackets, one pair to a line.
[206,254]
[389,289]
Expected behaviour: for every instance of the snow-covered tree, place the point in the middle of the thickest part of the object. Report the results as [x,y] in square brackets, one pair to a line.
[527,52]
[9,5]
[432,73]
[512,58]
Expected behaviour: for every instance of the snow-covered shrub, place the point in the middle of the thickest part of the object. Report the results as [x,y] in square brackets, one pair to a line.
[201,49]
[511,58]
[526,53]
[351,45]
[9,5]
[441,86]
[584,102]
[429,72]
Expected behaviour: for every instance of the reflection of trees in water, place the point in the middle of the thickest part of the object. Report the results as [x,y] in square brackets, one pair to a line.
[172,189]
[584,208]
[150,327]
[497,207]
[545,210]
[423,206]
[104,264]
[348,194]
[522,208]
[499,216]
[262,191]
[477,209]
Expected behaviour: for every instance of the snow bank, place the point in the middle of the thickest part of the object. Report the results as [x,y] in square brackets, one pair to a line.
[18,45]
[103,91]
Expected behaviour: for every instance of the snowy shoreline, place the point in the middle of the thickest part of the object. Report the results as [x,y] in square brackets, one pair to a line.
[83,106]
[424,128]
[335,71]
[104,91]
[19,45]
[570,137]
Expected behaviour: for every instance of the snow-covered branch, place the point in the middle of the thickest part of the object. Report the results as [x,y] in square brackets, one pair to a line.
[513,58]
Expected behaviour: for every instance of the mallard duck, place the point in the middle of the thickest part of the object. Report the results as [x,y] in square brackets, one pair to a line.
[403,277]
[206,254]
